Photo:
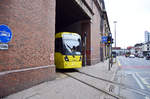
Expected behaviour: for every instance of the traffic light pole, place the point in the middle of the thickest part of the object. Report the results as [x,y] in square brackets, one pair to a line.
[110,57]
[109,44]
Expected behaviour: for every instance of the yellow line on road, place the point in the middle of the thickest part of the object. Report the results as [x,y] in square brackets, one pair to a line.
[119,63]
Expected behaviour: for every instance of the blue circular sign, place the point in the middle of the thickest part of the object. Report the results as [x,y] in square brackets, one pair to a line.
[5,34]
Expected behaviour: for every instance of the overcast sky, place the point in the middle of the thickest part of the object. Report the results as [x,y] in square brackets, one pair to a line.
[133,18]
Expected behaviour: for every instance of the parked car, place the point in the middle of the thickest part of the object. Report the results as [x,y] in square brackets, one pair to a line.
[147,56]
[140,56]
[131,56]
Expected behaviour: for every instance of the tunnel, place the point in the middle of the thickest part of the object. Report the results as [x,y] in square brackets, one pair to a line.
[70,17]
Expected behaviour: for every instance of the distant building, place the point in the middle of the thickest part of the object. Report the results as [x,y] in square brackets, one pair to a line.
[131,49]
[139,48]
[118,50]
[146,48]
[147,36]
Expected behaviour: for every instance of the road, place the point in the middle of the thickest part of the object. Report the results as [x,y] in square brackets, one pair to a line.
[135,73]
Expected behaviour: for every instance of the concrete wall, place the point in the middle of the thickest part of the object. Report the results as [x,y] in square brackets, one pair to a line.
[29,59]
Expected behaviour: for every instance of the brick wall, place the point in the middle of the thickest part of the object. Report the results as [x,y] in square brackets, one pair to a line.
[92,28]
[95,36]
[33,26]
[19,80]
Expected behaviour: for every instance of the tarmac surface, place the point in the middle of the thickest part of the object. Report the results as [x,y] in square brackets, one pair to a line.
[74,86]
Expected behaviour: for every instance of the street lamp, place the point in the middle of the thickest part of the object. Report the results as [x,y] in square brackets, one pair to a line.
[115,37]
[115,32]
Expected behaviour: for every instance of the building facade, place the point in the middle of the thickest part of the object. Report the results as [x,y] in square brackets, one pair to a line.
[147,36]
[29,59]
[138,48]
[146,48]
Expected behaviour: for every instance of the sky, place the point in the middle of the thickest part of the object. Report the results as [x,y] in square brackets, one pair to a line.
[133,19]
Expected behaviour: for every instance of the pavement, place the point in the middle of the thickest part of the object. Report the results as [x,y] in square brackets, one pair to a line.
[64,87]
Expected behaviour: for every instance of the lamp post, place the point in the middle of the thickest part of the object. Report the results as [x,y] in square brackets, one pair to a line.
[115,32]
[115,37]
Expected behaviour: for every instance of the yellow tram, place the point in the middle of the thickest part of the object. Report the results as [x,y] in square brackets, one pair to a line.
[68,50]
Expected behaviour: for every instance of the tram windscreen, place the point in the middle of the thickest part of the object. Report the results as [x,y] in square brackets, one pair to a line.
[72,46]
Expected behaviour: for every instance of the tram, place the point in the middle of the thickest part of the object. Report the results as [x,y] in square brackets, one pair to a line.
[68,50]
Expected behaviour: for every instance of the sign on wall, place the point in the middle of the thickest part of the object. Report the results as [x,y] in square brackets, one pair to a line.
[104,39]
[5,36]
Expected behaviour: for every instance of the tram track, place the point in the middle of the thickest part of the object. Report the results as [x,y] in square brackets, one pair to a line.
[93,86]
[138,91]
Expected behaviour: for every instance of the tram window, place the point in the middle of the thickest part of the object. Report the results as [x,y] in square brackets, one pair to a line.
[58,45]
[72,47]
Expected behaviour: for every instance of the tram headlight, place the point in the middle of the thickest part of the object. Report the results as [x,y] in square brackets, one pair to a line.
[66,58]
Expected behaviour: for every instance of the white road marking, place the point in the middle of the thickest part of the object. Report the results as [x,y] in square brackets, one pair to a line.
[142,79]
[148,86]
[123,61]
[147,78]
[146,97]
[138,82]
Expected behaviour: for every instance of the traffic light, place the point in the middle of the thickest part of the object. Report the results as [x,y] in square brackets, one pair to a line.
[109,39]
[112,40]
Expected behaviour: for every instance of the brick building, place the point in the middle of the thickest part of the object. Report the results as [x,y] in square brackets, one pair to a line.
[29,59]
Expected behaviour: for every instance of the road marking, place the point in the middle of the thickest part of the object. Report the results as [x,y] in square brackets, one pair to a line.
[118,62]
[125,62]
[147,78]
[135,67]
[148,86]
[146,97]
[138,82]
[143,80]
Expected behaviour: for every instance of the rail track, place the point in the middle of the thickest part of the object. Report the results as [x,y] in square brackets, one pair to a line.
[138,91]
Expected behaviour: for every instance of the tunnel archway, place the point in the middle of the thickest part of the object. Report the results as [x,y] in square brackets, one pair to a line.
[70,17]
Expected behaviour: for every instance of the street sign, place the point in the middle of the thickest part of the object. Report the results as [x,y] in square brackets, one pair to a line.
[4,46]
[104,39]
[5,34]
